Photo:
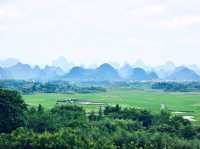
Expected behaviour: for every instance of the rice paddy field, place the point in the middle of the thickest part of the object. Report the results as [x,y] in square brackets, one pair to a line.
[186,104]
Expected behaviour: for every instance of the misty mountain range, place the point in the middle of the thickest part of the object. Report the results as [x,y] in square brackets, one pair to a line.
[61,69]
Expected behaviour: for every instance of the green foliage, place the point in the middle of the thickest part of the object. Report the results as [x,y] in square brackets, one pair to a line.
[12,109]
[40,120]
[58,117]
[28,87]
[130,113]
[177,87]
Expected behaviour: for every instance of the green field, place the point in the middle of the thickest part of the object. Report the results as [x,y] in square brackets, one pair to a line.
[150,100]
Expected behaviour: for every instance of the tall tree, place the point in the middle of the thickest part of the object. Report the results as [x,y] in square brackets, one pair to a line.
[12,110]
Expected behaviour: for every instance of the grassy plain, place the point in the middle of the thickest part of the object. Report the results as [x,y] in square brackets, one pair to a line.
[150,100]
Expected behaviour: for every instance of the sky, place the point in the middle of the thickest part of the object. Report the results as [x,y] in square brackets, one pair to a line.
[96,31]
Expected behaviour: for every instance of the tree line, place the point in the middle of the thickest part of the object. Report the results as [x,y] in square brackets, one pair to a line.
[177,86]
[29,87]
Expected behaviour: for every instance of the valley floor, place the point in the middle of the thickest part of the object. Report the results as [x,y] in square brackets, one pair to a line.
[186,104]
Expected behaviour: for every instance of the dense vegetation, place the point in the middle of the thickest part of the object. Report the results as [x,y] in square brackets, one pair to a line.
[28,87]
[70,126]
[177,86]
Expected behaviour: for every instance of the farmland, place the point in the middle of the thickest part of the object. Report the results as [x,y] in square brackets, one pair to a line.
[187,104]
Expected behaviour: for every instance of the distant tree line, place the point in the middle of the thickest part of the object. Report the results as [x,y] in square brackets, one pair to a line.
[112,127]
[177,86]
[27,87]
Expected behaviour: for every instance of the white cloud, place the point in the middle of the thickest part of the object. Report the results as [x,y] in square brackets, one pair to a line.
[149,10]
[181,21]
[9,10]
[8,13]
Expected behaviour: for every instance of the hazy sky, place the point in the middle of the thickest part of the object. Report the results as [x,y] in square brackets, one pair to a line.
[93,31]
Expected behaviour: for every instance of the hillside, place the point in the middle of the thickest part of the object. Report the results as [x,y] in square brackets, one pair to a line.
[184,74]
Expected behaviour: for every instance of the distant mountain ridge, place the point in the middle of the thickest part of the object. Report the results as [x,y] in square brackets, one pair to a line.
[140,74]
[26,72]
[104,72]
[184,74]
[62,63]
[165,70]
